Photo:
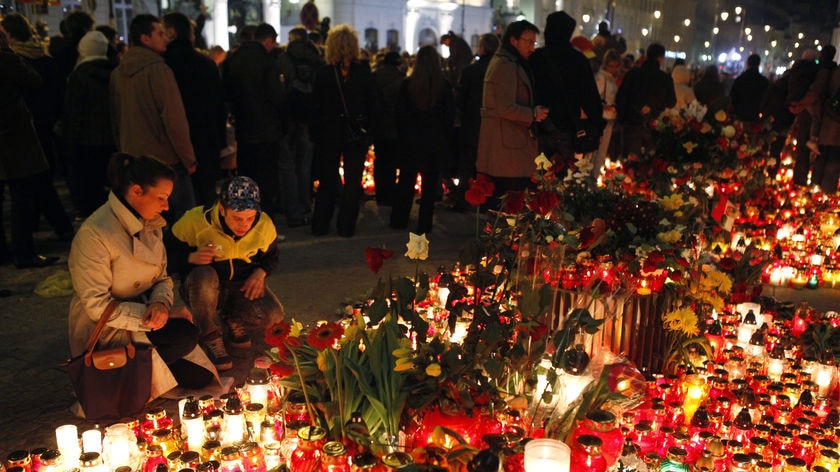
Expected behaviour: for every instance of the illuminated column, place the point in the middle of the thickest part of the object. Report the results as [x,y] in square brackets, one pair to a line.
[220,20]
[411,19]
[271,13]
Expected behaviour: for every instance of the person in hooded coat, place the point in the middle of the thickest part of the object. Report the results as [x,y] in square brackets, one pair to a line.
[564,84]
[89,140]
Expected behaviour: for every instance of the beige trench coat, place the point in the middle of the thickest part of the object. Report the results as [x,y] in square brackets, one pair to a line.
[506,147]
[117,255]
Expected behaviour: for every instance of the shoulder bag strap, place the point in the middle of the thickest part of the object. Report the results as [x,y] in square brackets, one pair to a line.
[341,91]
[100,325]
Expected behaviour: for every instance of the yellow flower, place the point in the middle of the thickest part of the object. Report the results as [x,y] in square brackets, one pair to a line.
[404,360]
[322,361]
[689,146]
[542,162]
[720,116]
[404,366]
[433,370]
[705,128]
[728,131]
[402,352]
[350,334]
[672,202]
[669,237]
[683,320]
[297,328]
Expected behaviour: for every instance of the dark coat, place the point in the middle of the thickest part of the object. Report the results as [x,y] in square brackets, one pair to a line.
[425,135]
[21,154]
[468,97]
[644,87]
[299,63]
[746,94]
[201,91]
[87,115]
[359,88]
[252,86]
[574,91]
[389,79]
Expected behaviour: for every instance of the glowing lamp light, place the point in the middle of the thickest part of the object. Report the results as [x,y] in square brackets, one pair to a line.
[192,421]
[547,454]
[823,376]
[644,288]
[775,368]
[92,441]
[234,429]
[257,386]
[67,440]
[117,444]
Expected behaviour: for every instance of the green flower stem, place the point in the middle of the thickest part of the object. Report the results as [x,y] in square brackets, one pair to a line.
[303,387]
[340,392]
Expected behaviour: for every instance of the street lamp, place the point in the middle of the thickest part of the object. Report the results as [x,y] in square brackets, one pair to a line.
[676,38]
[645,32]
[748,30]
[657,14]
[766,28]
[724,15]
[687,22]
[801,35]
[715,30]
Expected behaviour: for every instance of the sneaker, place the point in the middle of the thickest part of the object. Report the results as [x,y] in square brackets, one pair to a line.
[214,346]
[239,338]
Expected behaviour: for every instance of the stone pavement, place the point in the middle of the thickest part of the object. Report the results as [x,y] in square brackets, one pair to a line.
[317,277]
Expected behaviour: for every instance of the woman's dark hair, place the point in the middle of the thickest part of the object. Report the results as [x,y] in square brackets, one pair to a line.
[427,82]
[125,170]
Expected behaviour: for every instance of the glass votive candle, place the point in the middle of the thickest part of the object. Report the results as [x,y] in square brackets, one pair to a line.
[67,440]
[547,454]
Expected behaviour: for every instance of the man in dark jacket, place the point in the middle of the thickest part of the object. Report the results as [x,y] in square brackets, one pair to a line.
[201,90]
[460,56]
[468,96]
[255,89]
[299,62]
[645,92]
[389,76]
[88,138]
[564,84]
[748,89]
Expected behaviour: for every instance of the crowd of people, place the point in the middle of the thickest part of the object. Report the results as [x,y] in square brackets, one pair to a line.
[160,112]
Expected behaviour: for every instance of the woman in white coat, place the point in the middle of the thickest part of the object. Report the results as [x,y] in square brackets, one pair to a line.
[605,81]
[118,253]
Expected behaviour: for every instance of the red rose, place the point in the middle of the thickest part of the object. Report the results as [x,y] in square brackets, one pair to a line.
[727,263]
[723,143]
[543,202]
[375,257]
[475,197]
[514,201]
[682,262]
[675,275]
[656,257]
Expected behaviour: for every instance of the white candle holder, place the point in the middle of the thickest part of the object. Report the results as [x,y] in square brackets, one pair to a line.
[543,455]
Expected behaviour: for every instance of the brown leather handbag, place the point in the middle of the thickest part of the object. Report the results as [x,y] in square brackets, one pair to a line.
[111,383]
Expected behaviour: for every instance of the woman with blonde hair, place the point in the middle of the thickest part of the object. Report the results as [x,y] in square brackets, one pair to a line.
[344,101]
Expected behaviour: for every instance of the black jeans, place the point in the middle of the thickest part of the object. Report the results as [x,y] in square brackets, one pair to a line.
[405,198]
[176,339]
[32,196]
[331,191]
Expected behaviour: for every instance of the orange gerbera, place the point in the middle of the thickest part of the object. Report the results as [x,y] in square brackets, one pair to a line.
[325,335]
[276,334]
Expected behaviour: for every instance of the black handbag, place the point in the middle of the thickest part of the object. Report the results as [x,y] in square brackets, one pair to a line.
[356,128]
[111,383]
[588,135]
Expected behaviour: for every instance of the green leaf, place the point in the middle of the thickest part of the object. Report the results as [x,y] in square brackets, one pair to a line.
[405,289]
[378,309]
